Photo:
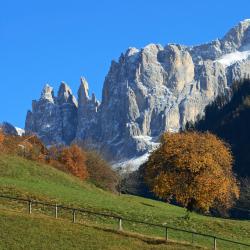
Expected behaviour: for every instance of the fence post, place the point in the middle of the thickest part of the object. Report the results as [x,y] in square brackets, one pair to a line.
[30,206]
[215,245]
[56,209]
[166,234]
[120,224]
[74,216]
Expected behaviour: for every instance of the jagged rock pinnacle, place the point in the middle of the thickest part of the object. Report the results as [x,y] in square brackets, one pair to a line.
[93,98]
[47,93]
[83,91]
[64,91]
[65,94]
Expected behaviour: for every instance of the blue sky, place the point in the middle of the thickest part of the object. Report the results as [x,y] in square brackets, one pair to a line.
[52,41]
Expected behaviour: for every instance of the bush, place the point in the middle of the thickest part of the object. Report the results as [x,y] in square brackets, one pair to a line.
[1,138]
[29,147]
[69,159]
[100,172]
[33,148]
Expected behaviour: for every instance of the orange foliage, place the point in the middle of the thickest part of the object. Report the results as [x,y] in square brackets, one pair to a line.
[32,148]
[74,159]
[68,159]
[1,138]
[29,147]
[193,168]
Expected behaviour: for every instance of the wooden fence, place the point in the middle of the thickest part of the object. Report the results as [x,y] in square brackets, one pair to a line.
[120,221]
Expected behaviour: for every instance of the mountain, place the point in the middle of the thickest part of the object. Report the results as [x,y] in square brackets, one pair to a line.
[9,129]
[145,93]
[229,118]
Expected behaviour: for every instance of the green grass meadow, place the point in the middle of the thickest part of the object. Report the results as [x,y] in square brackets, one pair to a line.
[27,179]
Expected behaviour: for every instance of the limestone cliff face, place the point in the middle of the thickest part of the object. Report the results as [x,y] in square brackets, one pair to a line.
[145,93]
[87,113]
[54,119]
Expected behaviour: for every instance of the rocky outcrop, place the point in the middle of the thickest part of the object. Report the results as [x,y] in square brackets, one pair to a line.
[68,113]
[53,119]
[8,129]
[145,93]
[87,113]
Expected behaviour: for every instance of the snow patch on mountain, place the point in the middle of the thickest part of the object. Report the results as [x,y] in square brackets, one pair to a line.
[20,131]
[133,163]
[147,139]
[232,58]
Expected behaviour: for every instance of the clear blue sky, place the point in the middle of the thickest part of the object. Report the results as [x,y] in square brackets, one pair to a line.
[49,41]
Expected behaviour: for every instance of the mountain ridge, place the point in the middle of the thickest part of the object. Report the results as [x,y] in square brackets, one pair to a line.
[145,93]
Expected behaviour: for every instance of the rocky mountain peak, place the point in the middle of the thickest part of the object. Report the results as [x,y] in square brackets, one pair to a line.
[65,94]
[131,51]
[8,129]
[238,37]
[83,91]
[93,98]
[47,93]
[95,102]
[146,92]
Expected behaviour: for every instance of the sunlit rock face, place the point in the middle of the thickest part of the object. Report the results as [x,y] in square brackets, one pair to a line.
[53,119]
[87,113]
[145,93]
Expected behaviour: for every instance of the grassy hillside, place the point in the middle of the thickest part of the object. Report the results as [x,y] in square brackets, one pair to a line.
[20,231]
[19,177]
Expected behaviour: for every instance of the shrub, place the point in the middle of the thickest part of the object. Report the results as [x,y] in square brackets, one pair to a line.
[100,172]
[74,160]
[1,138]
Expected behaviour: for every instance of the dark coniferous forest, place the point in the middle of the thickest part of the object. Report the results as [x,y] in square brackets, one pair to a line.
[229,118]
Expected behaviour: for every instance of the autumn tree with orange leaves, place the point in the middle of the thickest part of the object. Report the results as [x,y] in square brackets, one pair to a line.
[74,160]
[194,169]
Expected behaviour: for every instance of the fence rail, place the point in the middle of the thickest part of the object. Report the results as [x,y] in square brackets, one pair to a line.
[121,220]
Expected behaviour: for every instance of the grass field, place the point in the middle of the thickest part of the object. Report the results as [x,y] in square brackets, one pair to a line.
[20,231]
[23,178]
